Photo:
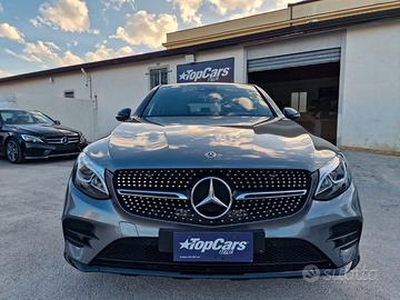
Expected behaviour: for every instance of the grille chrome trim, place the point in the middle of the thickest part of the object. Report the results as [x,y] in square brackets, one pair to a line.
[270,195]
[156,194]
[134,191]
[58,140]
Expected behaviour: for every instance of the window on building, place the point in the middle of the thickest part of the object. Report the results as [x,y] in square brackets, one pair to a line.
[299,101]
[158,76]
[69,94]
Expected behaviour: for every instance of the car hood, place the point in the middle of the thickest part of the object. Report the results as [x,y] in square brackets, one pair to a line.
[44,130]
[251,143]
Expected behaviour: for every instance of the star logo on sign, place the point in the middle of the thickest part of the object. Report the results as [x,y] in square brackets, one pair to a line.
[185,244]
[183,76]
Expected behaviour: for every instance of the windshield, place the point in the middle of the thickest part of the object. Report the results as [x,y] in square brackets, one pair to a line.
[207,100]
[22,117]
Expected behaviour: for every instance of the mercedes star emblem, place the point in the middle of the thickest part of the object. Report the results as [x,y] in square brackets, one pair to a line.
[210,154]
[64,140]
[211,198]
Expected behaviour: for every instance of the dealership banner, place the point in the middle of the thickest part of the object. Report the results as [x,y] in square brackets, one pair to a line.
[221,70]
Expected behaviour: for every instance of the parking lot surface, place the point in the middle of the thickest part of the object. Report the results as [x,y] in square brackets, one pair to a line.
[31,245]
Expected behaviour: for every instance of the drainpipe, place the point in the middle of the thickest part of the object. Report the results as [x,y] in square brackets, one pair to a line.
[93,100]
[290,6]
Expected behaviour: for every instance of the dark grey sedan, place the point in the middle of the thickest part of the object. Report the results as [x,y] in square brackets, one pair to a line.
[211,180]
[28,134]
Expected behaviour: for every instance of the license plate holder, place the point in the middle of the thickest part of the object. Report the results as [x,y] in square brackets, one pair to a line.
[204,246]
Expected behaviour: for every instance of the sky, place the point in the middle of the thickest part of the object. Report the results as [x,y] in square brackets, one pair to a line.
[45,34]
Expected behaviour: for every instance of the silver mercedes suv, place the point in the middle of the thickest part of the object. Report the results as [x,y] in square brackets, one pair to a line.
[210,180]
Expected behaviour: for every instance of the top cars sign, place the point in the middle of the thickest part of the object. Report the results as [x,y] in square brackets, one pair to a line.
[221,70]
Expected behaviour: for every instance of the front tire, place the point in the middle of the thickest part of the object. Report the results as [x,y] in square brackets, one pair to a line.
[13,152]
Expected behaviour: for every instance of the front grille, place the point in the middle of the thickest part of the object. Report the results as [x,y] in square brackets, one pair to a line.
[255,208]
[62,140]
[280,255]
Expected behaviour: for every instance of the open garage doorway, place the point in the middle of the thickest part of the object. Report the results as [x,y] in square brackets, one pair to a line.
[313,90]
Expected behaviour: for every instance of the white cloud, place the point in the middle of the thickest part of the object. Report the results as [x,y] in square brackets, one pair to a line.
[94,31]
[224,7]
[20,56]
[68,15]
[4,73]
[36,22]
[10,32]
[39,22]
[284,3]
[243,8]
[70,58]
[42,52]
[72,44]
[47,54]
[143,28]
[117,4]
[189,10]
[102,53]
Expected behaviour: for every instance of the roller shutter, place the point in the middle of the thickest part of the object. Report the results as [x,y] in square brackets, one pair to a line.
[294,60]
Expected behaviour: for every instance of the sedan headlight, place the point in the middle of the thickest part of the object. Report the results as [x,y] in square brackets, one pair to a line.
[31,138]
[83,139]
[88,177]
[334,179]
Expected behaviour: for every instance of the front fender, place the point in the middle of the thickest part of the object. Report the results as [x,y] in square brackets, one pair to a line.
[10,134]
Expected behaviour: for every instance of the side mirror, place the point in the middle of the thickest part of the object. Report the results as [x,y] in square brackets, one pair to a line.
[291,113]
[124,114]
[57,122]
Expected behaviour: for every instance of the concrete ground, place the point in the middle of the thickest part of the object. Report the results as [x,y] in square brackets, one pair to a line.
[31,245]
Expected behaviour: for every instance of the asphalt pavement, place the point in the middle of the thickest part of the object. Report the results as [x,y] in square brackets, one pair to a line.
[31,245]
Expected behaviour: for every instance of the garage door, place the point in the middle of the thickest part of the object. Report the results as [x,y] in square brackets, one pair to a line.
[294,60]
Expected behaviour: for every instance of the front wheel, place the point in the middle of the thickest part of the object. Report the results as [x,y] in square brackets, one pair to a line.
[13,152]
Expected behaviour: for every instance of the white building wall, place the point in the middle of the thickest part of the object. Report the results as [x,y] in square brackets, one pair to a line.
[370,108]
[369,85]
[47,94]
[126,86]
[109,89]
[237,52]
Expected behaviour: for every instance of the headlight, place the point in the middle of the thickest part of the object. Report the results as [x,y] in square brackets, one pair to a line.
[83,139]
[334,179]
[31,138]
[88,177]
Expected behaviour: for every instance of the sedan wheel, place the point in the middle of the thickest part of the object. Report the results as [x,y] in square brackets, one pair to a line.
[13,152]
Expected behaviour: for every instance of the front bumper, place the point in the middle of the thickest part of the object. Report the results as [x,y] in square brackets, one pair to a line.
[282,274]
[43,150]
[332,230]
